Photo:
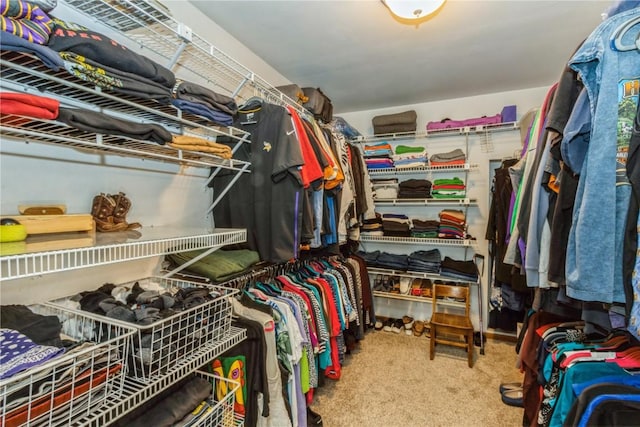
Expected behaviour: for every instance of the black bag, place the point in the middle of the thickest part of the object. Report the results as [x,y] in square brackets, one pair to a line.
[294,92]
[318,104]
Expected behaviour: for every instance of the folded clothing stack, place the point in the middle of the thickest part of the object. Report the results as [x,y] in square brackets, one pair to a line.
[463,270]
[392,261]
[448,188]
[452,224]
[27,339]
[385,188]
[219,265]
[370,258]
[415,189]
[405,156]
[396,225]
[194,143]
[425,229]
[181,404]
[425,261]
[196,99]
[377,150]
[476,121]
[372,227]
[378,156]
[451,158]
[395,123]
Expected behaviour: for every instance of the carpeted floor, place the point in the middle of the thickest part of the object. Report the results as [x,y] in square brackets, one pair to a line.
[390,381]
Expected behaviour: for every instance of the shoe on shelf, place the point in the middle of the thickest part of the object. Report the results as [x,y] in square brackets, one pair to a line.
[416,287]
[513,398]
[426,287]
[408,322]
[394,285]
[405,284]
[388,324]
[510,386]
[397,326]
[418,327]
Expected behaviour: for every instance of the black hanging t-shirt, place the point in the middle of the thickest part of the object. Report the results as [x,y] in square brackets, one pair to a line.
[268,201]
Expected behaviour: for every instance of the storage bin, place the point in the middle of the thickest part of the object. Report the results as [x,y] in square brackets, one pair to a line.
[70,385]
[161,345]
[220,411]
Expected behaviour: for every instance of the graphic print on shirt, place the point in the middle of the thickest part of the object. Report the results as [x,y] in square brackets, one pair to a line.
[628,90]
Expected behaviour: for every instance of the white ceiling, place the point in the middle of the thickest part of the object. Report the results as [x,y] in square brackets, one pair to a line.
[363,59]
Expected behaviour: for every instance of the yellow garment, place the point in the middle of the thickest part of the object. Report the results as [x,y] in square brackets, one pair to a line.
[184,142]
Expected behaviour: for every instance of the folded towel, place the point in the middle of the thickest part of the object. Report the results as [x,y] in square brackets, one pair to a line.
[456,154]
[404,149]
[406,117]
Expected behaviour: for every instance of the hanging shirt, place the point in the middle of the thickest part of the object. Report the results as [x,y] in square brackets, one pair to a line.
[267,201]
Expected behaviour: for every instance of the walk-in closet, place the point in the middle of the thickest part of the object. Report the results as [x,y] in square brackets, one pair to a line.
[384,213]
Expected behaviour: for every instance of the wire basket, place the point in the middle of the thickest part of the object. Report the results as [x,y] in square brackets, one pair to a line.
[87,375]
[219,410]
[161,345]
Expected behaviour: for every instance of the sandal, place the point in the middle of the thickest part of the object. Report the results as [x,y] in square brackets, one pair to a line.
[416,287]
[513,398]
[510,386]
[418,327]
[405,283]
[395,285]
[426,288]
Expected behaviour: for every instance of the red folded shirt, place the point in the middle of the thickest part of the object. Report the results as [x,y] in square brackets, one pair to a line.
[22,104]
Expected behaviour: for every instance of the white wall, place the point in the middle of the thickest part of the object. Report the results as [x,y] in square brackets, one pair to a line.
[162,194]
[481,151]
[185,11]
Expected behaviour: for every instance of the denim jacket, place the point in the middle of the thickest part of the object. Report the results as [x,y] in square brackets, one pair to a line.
[594,252]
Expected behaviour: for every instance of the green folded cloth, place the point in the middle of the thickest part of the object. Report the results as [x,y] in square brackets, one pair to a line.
[448,181]
[448,196]
[219,265]
[425,234]
[402,149]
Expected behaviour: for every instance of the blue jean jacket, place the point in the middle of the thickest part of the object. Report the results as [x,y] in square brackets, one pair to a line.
[594,252]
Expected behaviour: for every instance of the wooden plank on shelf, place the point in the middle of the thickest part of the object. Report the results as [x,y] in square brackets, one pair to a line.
[45,224]
[49,242]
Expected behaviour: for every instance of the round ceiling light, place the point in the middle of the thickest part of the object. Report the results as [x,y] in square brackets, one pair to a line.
[412,11]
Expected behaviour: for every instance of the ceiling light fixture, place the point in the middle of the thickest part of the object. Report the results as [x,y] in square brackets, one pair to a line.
[412,12]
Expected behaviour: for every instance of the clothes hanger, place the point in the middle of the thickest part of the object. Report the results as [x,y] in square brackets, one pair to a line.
[252,105]
[628,359]
[619,34]
[622,349]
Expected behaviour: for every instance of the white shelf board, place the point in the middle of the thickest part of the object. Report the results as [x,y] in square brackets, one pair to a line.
[417,274]
[417,241]
[423,169]
[425,202]
[467,130]
[382,294]
[42,254]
